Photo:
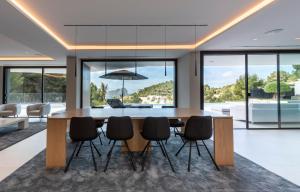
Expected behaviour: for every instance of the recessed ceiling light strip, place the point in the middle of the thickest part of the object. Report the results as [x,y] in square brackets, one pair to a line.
[258,6]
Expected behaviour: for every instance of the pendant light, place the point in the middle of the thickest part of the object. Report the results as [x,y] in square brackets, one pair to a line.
[165,39]
[195,51]
[105,64]
[135,51]
[75,50]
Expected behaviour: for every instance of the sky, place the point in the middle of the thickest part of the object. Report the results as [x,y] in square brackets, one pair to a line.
[155,74]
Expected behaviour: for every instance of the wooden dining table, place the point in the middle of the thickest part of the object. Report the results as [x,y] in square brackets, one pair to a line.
[56,149]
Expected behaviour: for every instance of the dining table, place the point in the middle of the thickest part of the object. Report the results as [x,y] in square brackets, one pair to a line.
[57,128]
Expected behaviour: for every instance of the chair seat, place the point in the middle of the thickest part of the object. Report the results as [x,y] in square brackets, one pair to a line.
[34,113]
[176,123]
[6,113]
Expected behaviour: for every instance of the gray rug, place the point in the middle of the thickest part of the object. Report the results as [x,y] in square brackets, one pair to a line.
[11,135]
[246,176]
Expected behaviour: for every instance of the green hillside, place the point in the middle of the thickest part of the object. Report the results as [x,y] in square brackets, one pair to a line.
[162,89]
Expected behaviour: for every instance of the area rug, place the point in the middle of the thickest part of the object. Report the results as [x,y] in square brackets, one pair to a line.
[11,135]
[245,176]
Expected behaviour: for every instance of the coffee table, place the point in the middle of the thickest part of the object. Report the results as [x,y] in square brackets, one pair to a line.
[22,122]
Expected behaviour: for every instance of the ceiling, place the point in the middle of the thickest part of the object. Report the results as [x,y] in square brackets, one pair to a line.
[21,33]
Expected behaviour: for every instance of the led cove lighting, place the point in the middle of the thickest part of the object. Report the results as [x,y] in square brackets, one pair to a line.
[26,59]
[210,36]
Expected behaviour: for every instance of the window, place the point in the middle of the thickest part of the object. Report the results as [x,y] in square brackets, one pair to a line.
[155,83]
[35,85]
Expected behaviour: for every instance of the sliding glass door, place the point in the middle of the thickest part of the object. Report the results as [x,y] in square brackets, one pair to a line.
[31,85]
[224,86]
[270,79]
[290,95]
[263,91]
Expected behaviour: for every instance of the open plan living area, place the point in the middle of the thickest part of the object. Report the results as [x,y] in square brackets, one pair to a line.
[159,95]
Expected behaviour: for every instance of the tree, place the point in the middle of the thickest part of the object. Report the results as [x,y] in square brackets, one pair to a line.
[271,87]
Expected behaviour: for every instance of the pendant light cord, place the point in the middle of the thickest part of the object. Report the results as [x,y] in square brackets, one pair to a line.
[195,51]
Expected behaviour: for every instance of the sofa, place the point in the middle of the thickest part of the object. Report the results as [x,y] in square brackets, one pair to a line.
[267,112]
[38,110]
[11,109]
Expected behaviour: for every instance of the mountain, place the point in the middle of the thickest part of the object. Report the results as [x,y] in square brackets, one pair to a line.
[162,89]
[115,93]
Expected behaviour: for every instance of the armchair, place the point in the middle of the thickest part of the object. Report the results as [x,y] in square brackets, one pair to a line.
[11,109]
[39,110]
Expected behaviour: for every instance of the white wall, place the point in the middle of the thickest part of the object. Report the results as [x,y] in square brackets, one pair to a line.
[1,84]
[188,83]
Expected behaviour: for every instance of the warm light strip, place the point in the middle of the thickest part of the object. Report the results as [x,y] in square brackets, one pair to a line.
[217,32]
[37,21]
[235,21]
[26,59]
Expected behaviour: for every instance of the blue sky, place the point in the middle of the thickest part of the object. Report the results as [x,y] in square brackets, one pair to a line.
[155,74]
[218,76]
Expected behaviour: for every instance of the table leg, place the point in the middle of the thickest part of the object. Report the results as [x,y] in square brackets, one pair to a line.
[137,143]
[23,124]
[223,141]
[56,143]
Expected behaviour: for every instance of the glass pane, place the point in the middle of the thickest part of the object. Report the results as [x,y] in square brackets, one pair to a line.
[24,86]
[290,90]
[152,86]
[262,88]
[224,86]
[55,88]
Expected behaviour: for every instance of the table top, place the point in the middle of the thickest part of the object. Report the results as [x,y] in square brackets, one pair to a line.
[136,113]
[9,121]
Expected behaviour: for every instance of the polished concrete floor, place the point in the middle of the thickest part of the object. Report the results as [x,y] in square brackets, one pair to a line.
[276,150]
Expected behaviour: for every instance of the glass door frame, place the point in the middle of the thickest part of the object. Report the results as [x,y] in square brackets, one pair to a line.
[246,53]
[5,68]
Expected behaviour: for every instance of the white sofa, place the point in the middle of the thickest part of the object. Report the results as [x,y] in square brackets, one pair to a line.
[38,110]
[11,109]
[267,112]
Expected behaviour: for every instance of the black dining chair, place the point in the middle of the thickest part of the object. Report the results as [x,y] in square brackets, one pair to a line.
[197,128]
[119,129]
[174,123]
[156,129]
[83,129]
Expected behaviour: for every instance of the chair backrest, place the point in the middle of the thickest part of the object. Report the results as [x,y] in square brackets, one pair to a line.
[83,128]
[198,128]
[156,128]
[115,103]
[119,128]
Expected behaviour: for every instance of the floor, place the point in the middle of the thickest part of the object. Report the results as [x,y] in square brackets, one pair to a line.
[275,150]
[268,148]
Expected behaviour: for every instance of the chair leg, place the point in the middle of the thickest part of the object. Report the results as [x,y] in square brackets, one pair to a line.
[213,160]
[102,131]
[144,158]
[142,153]
[198,149]
[190,156]
[109,155]
[167,156]
[130,155]
[71,158]
[166,141]
[180,148]
[79,148]
[94,161]
[161,148]
[109,142]
[100,140]
[96,149]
